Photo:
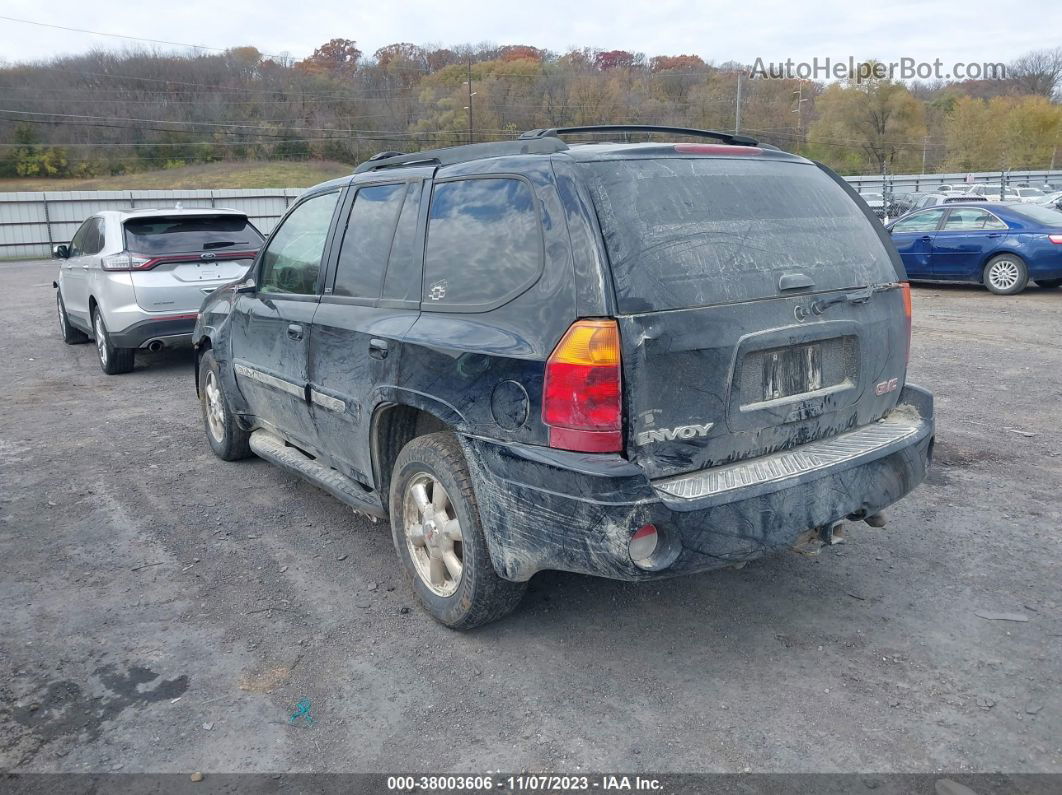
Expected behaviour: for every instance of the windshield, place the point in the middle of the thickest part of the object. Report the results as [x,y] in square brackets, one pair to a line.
[694,232]
[182,234]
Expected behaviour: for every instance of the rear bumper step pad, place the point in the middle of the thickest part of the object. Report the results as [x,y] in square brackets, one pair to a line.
[789,463]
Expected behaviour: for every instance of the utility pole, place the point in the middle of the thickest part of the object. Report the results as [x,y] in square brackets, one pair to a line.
[470,94]
[925,141]
[737,107]
[799,111]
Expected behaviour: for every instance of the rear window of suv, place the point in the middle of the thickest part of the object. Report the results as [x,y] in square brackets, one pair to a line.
[184,234]
[695,232]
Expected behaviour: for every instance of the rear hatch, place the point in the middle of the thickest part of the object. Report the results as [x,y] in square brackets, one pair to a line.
[758,307]
[188,257]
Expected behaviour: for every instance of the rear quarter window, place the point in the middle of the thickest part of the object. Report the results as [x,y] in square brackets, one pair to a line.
[484,244]
[701,231]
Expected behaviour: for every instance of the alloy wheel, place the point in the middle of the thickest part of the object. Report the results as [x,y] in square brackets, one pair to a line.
[215,407]
[101,340]
[1003,274]
[433,534]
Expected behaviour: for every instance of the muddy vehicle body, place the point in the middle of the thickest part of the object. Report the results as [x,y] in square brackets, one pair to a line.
[625,360]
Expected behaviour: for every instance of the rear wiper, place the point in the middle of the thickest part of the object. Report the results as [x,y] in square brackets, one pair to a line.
[855,297]
[223,244]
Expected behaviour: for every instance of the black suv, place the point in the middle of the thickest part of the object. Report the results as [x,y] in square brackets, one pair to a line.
[628,360]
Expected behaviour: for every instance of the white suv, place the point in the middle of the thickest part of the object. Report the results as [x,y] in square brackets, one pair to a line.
[135,280]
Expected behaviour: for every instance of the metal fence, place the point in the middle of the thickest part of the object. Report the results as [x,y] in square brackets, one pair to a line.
[928,183]
[31,222]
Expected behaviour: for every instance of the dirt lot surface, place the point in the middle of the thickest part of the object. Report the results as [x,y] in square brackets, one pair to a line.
[166,611]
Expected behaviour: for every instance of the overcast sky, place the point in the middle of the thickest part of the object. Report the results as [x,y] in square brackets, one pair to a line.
[972,30]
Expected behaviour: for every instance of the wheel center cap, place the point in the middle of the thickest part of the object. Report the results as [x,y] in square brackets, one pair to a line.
[430,530]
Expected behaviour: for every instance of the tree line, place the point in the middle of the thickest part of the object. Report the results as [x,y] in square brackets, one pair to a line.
[108,112]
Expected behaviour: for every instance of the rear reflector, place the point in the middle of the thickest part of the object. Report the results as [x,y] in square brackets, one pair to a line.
[643,543]
[717,149]
[907,315]
[582,401]
[1055,239]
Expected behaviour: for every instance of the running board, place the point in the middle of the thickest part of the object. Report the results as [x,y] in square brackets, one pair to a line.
[275,450]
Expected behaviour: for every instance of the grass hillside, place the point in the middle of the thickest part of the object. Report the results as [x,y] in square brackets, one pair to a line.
[280,174]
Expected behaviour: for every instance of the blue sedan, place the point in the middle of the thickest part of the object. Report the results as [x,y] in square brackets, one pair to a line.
[999,245]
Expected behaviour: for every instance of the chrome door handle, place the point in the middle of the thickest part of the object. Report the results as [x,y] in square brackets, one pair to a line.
[294,331]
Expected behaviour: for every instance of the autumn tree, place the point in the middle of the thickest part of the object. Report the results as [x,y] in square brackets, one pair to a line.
[1002,133]
[614,59]
[878,117]
[1038,72]
[338,57]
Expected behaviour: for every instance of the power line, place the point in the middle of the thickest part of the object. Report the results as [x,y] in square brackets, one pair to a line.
[367,135]
[123,36]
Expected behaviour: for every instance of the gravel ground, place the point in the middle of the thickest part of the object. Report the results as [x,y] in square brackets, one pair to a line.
[164,611]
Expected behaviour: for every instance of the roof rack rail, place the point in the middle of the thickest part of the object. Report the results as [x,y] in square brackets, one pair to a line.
[553,132]
[462,154]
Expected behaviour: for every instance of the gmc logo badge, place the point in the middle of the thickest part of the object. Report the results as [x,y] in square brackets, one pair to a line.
[886,386]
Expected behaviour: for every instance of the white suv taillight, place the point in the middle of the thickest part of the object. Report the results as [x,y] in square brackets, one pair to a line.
[126,262]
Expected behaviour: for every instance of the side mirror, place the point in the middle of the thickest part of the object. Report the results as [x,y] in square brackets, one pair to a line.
[61,251]
[245,287]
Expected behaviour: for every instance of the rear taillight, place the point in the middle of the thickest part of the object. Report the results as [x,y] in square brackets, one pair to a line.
[906,290]
[127,262]
[1057,239]
[582,400]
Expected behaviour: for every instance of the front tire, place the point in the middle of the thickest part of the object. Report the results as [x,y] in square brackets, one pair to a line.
[227,439]
[1048,284]
[113,361]
[70,335]
[1006,274]
[437,534]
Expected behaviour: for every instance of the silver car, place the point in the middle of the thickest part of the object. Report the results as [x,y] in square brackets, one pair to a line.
[135,280]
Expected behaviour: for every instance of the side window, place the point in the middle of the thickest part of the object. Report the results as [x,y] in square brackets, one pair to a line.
[292,260]
[77,243]
[484,244]
[922,222]
[94,241]
[402,281]
[367,240]
[968,219]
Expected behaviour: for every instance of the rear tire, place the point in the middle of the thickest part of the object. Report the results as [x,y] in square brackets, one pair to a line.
[1006,274]
[227,439]
[1048,284]
[437,534]
[70,335]
[113,361]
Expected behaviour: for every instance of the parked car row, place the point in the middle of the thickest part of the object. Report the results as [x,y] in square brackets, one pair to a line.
[471,342]
[903,202]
